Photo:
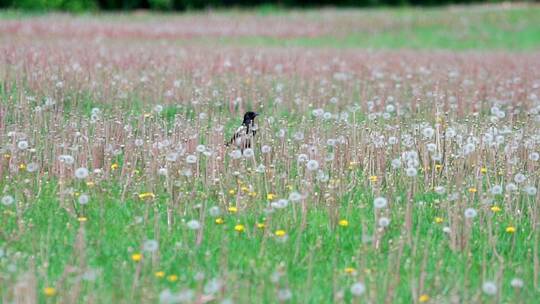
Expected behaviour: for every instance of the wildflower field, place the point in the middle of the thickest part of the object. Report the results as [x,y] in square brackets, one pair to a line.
[382,171]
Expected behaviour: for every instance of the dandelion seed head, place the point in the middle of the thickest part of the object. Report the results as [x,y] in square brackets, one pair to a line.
[380,202]
[22,145]
[81,173]
[7,200]
[312,165]
[517,283]
[84,199]
[470,213]
[384,222]
[358,289]
[248,153]
[193,225]
[489,288]
[191,159]
[150,245]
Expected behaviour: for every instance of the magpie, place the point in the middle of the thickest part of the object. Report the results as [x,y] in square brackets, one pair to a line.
[243,136]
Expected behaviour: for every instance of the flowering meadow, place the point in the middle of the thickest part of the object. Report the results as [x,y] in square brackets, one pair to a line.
[376,176]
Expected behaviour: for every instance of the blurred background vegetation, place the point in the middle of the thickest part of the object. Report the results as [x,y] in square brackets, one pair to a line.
[84,5]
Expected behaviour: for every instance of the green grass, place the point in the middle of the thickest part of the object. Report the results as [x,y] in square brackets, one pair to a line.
[455,28]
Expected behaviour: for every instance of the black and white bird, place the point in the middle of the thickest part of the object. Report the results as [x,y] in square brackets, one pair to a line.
[243,136]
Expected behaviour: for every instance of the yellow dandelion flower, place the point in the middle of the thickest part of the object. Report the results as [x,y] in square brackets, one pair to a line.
[136,257]
[172,278]
[147,195]
[270,196]
[510,229]
[159,274]
[22,166]
[343,223]
[90,184]
[232,209]
[495,209]
[483,170]
[350,270]
[219,221]
[253,194]
[261,225]
[147,115]
[290,187]
[280,233]
[244,189]
[239,228]
[472,190]
[438,167]
[82,219]
[115,166]
[423,298]
[439,219]
[49,291]
[232,192]
[7,156]
[373,178]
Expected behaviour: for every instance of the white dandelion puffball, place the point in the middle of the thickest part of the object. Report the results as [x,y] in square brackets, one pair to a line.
[517,283]
[248,153]
[534,156]
[32,167]
[510,187]
[384,222]
[266,149]
[530,190]
[193,225]
[302,158]
[162,171]
[489,288]
[396,163]
[139,142]
[318,112]
[358,289]
[171,157]
[7,200]
[312,165]
[214,211]
[322,176]
[284,294]
[158,108]
[380,202]
[261,168]
[150,245]
[83,199]
[470,213]
[411,172]
[236,154]
[519,178]
[81,173]
[440,190]
[200,148]
[295,196]
[428,132]
[191,159]
[496,190]
[22,145]
[280,204]
[66,159]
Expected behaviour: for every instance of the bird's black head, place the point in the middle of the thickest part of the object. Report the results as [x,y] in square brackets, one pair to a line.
[249,117]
